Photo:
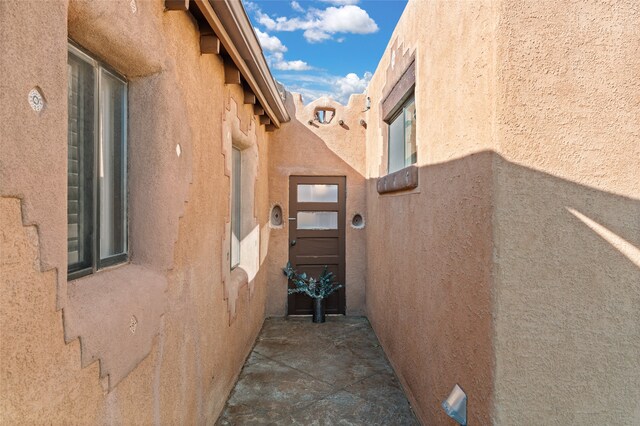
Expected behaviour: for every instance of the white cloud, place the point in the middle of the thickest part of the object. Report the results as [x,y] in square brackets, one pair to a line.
[266,20]
[346,19]
[251,6]
[349,84]
[274,53]
[291,65]
[319,25]
[270,43]
[315,36]
[313,86]
[341,2]
[296,6]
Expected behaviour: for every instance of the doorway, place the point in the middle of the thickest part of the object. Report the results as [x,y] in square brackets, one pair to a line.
[317,207]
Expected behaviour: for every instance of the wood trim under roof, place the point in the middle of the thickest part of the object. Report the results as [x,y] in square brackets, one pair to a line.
[231,24]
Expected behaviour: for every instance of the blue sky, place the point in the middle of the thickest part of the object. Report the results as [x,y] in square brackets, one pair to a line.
[324,47]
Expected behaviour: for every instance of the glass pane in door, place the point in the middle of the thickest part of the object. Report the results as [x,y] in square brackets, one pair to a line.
[317,220]
[317,193]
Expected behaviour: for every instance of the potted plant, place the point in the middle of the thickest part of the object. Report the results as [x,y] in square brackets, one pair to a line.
[317,289]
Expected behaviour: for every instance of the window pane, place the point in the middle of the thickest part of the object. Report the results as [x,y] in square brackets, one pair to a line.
[236,196]
[112,166]
[410,133]
[317,220]
[80,145]
[317,193]
[396,144]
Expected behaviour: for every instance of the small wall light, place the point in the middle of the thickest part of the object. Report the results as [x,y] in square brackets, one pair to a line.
[367,104]
[363,123]
[310,122]
[456,405]
[341,122]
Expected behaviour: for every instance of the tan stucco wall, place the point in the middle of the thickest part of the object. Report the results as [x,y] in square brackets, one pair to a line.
[300,148]
[513,269]
[519,269]
[429,250]
[191,338]
[567,214]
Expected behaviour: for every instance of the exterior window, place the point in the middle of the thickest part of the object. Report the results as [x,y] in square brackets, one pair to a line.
[402,137]
[236,207]
[97,165]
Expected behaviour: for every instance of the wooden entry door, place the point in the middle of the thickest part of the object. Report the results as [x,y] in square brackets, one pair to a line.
[317,236]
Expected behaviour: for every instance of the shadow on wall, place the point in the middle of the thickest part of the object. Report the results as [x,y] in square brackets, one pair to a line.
[520,286]
[428,284]
[567,280]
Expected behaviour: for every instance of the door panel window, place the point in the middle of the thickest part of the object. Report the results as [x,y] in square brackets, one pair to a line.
[317,193]
[317,220]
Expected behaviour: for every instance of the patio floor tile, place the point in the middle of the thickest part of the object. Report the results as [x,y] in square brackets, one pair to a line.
[301,373]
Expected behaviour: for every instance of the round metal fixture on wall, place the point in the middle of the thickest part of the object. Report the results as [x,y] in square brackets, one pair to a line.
[36,99]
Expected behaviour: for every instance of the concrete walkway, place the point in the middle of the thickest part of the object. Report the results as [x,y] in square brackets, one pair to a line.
[301,373]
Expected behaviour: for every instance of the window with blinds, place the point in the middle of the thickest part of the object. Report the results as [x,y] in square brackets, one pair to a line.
[96,180]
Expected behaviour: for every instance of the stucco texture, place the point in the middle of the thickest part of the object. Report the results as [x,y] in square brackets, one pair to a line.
[513,269]
[300,149]
[519,276]
[179,362]
[429,250]
[567,214]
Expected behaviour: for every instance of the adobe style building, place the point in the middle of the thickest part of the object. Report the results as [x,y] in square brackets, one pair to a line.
[481,203]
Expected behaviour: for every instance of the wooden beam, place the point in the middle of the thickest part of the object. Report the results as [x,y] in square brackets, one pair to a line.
[176,4]
[209,44]
[265,120]
[227,45]
[270,127]
[231,73]
[249,97]
[258,110]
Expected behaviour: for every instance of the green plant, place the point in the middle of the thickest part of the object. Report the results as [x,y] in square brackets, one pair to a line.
[315,288]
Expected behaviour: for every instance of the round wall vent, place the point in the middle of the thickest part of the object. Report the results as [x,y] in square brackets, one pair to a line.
[357,221]
[276,216]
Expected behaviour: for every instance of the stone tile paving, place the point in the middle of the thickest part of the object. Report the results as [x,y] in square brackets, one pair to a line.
[301,373]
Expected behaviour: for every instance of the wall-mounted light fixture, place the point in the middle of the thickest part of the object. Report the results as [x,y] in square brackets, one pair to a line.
[341,122]
[456,405]
[367,104]
[310,122]
[363,123]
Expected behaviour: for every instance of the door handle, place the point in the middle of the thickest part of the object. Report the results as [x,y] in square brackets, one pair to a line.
[293,243]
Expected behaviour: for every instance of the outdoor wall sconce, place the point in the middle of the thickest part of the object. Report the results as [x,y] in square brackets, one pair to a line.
[367,104]
[310,122]
[456,405]
[341,122]
[363,123]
